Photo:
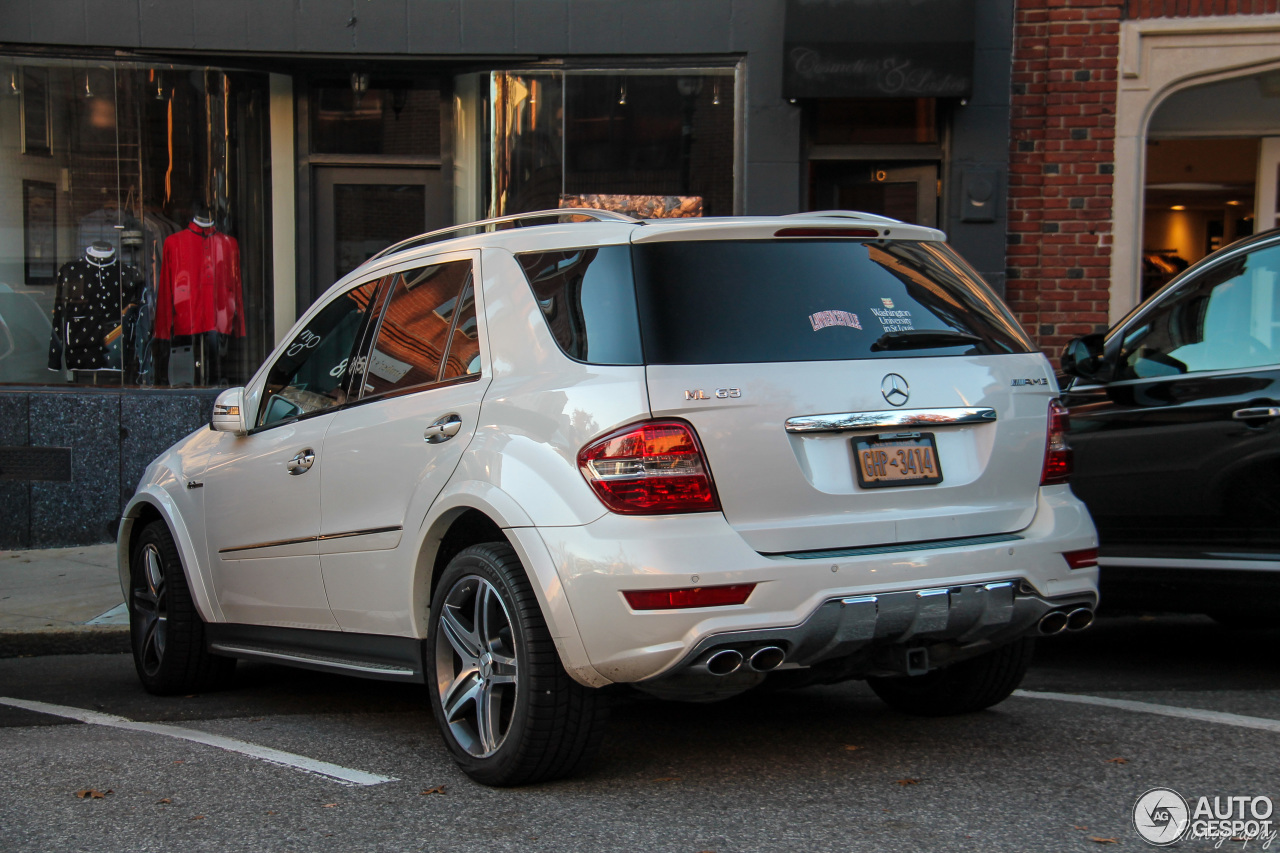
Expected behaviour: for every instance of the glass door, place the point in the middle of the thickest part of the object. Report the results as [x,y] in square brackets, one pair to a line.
[906,191]
[361,211]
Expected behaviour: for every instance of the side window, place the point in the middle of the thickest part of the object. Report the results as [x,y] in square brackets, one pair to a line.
[588,299]
[410,348]
[311,375]
[1226,319]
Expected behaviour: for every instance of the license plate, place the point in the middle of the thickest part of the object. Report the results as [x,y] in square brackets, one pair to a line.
[897,460]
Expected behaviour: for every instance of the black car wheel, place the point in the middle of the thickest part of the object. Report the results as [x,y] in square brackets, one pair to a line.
[508,711]
[166,631]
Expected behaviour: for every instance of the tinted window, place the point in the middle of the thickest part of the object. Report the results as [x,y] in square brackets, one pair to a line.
[311,374]
[716,302]
[414,336]
[1228,318]
[587,298]
[463,358]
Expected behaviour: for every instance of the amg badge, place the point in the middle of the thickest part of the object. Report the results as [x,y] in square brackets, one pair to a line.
[1019,382]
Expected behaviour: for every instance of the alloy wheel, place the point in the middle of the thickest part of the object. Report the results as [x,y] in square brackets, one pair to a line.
[151,604]
[476,668]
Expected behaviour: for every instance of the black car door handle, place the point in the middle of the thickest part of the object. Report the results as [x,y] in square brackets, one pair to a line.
[1256,412]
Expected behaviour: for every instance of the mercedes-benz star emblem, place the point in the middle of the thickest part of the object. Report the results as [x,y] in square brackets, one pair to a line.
[895,389]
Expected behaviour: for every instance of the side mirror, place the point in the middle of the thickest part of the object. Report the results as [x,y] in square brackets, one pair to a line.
[1082,357]
[228,412]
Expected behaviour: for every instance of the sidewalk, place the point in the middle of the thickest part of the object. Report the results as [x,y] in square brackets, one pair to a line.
[61,601]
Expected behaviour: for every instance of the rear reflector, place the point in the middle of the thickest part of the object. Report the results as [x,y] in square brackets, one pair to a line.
[1082,559]
[696,596]
[655,467]
[827,232]
[1057,453]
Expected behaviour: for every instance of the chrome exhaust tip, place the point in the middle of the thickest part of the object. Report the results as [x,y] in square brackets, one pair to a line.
[1054,622]
[723,662]
[1079,619]
[767,658]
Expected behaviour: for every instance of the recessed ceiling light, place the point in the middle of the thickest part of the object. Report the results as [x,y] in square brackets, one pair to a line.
[1234,203]
[1179,207]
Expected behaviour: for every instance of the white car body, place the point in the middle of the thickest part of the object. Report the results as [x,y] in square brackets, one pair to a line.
[349,550]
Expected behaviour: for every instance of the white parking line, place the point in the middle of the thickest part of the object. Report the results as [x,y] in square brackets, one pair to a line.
[1220,717]
[342,775]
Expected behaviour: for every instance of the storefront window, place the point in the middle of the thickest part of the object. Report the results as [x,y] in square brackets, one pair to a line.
[646,143]
[133,224]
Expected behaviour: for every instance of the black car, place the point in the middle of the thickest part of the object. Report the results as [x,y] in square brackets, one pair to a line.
[1175,423]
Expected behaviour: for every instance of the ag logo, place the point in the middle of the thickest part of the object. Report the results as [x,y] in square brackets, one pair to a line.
[895,389]
[1161,816]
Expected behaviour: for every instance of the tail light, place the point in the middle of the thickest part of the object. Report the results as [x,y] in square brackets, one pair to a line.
[1083,559]
[1057,453]
[649,468]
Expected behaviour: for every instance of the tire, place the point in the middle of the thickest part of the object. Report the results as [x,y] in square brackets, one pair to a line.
[166,631]
[961,688]
[515,716]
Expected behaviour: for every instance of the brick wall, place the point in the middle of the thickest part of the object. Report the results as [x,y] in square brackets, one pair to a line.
[1065,59]
[1197,8]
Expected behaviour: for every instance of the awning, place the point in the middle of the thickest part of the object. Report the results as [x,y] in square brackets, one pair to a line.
[878,49]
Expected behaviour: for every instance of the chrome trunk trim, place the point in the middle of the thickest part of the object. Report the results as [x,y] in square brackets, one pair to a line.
[891,419]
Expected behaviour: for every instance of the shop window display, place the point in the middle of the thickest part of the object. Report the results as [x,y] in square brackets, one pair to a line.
[647,143]
[133,225]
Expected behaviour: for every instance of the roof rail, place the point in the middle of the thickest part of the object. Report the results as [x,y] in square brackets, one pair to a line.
[516,220]
[850,214]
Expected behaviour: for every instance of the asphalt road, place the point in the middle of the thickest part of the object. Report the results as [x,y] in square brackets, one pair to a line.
[826,768]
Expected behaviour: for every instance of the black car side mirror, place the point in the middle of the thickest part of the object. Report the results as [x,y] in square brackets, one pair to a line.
[1082,357]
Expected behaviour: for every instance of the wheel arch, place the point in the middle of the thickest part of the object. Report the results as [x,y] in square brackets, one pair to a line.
[473,513]
[155,505]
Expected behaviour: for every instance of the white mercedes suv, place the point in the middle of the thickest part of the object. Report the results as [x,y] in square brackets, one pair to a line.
[527,458]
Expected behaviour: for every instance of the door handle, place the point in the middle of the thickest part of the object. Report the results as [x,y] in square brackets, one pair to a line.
[301,463]
[443,429]
[1256,412]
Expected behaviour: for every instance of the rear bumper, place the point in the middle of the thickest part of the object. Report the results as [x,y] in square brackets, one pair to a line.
[797,599]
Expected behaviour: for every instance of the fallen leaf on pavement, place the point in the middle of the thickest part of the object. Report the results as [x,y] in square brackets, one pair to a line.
[1081,828]
[1096,840]
[851,747]
[438,789]
[1117,761]
[667,779]
[198,817]
[329,806]
[163,802]
[905,782]
[92,794]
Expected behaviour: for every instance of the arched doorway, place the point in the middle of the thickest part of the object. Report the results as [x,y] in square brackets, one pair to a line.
[1197,127]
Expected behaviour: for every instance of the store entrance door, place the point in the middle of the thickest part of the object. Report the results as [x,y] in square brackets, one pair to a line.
[361,211]
[906,191]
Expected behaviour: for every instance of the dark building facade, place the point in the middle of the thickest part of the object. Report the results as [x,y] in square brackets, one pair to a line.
[220,164]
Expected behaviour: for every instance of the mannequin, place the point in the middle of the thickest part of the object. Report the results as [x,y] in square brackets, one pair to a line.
[94,295]
[199,295]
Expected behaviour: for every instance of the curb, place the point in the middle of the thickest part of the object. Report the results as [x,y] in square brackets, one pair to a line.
[78,640]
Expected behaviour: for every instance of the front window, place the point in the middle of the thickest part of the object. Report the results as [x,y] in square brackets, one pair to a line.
[1228,318]
[312,375]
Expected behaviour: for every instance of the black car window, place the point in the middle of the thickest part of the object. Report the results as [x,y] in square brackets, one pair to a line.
[1227,318]
[310,376]
[588,301]
[716,302]
[410,347]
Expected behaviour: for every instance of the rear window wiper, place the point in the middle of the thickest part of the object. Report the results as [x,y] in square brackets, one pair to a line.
[923,339]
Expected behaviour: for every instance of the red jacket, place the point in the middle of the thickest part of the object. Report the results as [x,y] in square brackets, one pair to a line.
[199,288]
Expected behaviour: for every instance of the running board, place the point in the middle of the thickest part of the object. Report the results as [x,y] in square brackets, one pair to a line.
[364,655]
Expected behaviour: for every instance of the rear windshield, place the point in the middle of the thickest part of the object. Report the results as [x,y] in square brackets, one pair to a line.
[728,302]
[738,301]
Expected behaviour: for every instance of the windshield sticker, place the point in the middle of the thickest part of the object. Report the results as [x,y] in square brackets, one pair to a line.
[893,320]
[822,319]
